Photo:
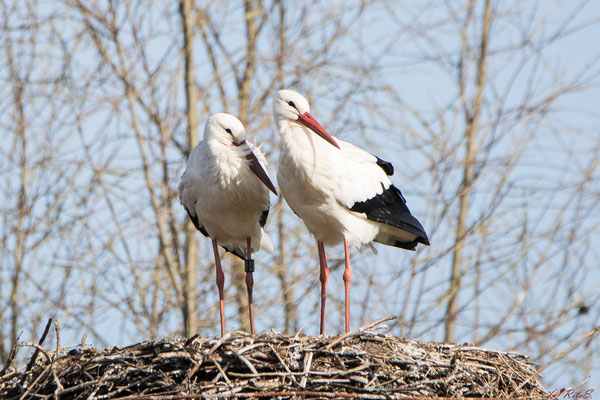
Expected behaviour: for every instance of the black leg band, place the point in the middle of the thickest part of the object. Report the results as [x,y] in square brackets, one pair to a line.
[249,265]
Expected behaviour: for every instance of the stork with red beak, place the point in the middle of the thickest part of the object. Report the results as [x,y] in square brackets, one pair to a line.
[225,191]
[341,192]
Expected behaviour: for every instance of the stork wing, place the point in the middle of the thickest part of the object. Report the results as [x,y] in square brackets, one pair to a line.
[358,177]
[364,187]
[190,187]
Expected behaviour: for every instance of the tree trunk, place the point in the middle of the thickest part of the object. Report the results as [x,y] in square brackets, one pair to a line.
[191,248]
[472,120]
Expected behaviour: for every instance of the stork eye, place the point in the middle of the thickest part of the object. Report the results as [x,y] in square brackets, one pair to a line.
[291,104]
[228,131]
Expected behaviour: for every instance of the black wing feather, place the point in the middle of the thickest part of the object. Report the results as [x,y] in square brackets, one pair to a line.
[386,166]
[235,253]
[390,208]
[263,218]
[196,223]
[408,245]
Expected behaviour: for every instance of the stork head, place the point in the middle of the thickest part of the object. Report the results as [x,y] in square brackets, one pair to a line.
[292,106]
[229,131]
[225,128]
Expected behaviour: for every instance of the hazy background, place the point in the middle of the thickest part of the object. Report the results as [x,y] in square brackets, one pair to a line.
[489,111]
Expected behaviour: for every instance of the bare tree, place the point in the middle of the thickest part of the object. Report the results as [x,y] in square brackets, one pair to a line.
[472,114]
[191,253]
[496,188]
[46,193]
[492,139]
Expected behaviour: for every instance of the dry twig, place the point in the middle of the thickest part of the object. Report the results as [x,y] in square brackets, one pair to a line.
[360,364]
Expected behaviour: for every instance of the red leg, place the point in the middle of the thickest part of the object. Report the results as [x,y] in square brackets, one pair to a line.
[249,265]
[220,283]
[347,278]
[323,278]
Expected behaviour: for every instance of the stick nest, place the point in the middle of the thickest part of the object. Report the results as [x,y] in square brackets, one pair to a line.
[361,364]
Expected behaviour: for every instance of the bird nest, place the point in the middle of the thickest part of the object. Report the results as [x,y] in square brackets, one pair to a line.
[360,364]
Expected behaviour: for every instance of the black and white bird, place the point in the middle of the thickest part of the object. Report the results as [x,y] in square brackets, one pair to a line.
[341,192]
[225,191]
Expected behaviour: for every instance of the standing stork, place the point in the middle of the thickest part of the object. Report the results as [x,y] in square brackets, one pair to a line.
[341,192]
[225,191]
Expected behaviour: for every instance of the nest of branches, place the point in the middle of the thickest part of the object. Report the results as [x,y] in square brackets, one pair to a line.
[360,364]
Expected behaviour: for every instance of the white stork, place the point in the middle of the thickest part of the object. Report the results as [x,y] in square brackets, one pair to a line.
[225,191]
[341,192]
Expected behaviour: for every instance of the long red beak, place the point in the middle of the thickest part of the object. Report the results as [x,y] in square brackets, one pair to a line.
[307,120]
[260,172]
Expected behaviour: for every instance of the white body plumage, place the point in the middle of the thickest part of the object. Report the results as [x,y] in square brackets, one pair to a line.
[220,189]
